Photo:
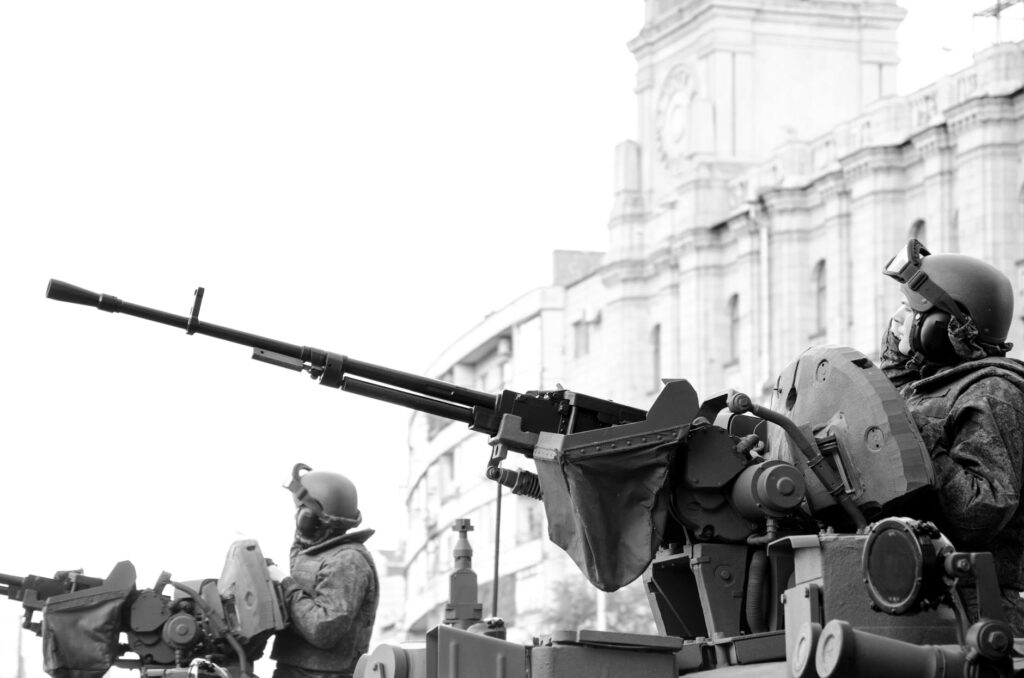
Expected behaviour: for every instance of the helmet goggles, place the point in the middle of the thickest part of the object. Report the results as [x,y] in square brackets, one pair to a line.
[906,268]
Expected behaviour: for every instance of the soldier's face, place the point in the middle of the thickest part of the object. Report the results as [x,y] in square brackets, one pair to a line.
[900,325]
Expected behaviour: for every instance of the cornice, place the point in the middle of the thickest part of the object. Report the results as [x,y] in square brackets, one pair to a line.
[687,14]
[622,271]
[789,199]
[932,140]
[832,185]
[972,113]
[871,159]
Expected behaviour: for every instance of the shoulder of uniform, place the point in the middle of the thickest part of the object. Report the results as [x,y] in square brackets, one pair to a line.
[999,389]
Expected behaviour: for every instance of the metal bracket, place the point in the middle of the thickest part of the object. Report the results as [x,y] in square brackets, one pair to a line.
[511,435]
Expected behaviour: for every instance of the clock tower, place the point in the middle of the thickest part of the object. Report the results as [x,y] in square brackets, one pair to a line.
[731,96]
[722,84]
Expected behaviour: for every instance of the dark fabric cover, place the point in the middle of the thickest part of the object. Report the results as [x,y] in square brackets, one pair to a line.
[80,634]
[606,509]
[606,491]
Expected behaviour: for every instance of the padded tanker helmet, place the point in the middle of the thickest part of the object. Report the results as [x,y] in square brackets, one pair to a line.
[940,286]
[323,499]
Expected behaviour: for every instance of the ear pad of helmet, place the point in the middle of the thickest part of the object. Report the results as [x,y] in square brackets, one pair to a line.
[306,522]
[929,336]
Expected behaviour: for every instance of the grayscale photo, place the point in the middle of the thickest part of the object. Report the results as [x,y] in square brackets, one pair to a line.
[661,338]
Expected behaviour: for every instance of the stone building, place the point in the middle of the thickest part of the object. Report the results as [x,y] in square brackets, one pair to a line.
[774,173]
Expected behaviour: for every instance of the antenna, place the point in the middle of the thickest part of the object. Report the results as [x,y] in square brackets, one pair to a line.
[996,11]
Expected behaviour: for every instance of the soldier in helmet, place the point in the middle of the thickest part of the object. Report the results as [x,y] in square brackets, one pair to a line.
[332,591]
[945,350]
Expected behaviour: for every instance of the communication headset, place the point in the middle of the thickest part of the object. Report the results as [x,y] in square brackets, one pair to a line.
[929,331]
[929,336]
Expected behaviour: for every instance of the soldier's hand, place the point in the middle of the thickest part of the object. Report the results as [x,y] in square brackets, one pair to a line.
[276,573]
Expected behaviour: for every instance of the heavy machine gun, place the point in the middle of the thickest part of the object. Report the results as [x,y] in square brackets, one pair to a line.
[558,411]
[776,536]
[213,628]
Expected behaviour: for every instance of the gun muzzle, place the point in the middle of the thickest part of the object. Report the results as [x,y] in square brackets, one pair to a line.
[62,291]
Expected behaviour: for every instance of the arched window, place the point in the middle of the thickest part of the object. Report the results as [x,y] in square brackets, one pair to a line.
[819,286]
[734,328]
[919,231]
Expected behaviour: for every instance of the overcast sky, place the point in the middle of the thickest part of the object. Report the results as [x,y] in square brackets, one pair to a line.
[366,177]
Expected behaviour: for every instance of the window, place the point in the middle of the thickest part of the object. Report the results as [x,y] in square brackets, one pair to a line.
[433,557]
[734,329]
[581,338]
[531,594]
[656,358]
[819,286]
[865,133]
[446,462]
[530,521]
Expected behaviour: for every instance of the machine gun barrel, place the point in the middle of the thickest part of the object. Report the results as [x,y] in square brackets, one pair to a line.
[11,580]
[558,411]
[10,584]
[32,591]
[34,587]
[382,383]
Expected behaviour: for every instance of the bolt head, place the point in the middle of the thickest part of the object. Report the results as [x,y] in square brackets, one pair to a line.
[997,639]
[785,486]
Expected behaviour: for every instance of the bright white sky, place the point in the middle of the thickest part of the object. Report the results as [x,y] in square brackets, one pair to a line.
[366,177]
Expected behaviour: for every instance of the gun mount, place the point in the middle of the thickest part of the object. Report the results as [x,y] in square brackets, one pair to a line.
[210,628]
[794,537]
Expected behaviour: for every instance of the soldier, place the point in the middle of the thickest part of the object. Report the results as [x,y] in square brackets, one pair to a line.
[945,351]
[332,592]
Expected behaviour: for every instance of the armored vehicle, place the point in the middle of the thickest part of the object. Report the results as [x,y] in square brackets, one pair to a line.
[793,538]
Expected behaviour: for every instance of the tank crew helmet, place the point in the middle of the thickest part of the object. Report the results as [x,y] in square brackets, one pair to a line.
[326,503]
[940,287]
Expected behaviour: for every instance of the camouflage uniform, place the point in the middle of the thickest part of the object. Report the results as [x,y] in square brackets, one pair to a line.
[332,596]
[971,417]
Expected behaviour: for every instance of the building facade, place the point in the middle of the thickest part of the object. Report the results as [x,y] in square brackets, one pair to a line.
[774,173]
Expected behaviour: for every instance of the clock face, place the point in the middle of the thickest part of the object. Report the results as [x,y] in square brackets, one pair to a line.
[672,124]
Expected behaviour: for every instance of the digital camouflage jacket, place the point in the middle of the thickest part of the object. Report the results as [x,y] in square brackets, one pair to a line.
[332,595]
[971,418]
